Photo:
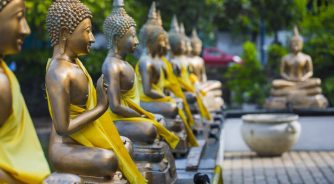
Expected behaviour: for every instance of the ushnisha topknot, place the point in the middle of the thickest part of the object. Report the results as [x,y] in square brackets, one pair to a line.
[118,23]
[151,22]
[65,13]
[4,3]
[296,36]
[194,38]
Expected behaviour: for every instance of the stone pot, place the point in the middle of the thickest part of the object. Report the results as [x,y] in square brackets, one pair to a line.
[270,134]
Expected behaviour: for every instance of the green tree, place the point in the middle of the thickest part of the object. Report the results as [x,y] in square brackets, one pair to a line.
[247,81]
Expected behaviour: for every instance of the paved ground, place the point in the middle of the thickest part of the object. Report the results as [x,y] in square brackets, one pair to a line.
[292,167]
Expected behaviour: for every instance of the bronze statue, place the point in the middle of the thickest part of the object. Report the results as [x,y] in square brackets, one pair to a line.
[179,61]
[297,88]
[21,156]
[213,98]
[84,140]
[152,79]
[141,126]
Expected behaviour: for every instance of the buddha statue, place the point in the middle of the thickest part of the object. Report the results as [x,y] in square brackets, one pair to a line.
[21,156]
[151,79]
[84,141]
[179,61]
[213,98]
[297,88]
[141,126]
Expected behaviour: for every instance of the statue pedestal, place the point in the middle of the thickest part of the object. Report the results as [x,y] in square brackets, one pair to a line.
[297,101]
[155,162]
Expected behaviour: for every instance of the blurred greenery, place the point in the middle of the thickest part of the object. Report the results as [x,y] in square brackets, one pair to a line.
[240,17]
[275,54]
[247,80]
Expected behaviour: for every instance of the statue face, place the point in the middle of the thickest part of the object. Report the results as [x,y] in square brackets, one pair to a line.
[296,45]
[14,27]
[160,46]
[196,48]
[188,47]
[128,43]
[81,39]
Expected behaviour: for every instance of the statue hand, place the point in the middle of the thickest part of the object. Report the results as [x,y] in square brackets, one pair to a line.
[101,92]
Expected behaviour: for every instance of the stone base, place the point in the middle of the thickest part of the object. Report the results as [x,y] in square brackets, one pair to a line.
[56,178]
[156,163]
[297,102]
[182,148]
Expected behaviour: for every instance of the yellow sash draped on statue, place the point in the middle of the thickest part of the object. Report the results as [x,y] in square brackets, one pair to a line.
[171,83]
[21,154]
[159,87]
[131,99]
[185,82]
[102,133]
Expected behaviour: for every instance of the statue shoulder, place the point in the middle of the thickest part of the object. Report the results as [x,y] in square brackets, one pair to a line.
[5,85]
[112,66]
[308,57]
[58,73]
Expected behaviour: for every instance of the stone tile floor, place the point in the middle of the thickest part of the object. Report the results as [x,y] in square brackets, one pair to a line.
[292,167]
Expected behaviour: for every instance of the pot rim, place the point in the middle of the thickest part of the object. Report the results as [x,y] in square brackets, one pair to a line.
[269,118]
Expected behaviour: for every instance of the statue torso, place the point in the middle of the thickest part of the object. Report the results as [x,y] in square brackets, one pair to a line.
[196,66]
[295,65]
[78,82]
[154,67]
[123,68]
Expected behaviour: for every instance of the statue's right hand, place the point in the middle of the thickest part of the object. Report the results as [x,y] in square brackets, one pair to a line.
[101,92]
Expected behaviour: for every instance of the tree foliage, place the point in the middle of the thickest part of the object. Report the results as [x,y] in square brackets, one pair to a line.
[247,81]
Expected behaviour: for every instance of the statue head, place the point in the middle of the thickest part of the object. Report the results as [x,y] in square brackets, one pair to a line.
[157,41]
[120,30]
[145,31]
[296,41]
[14,27]
[176,39]
[69,26]
[188,48]
[196,43]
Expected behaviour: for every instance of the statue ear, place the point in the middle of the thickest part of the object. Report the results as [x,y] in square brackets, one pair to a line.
[64,33]
[115,41]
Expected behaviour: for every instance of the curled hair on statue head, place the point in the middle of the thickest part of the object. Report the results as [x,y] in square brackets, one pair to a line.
[4,3]
[65,14]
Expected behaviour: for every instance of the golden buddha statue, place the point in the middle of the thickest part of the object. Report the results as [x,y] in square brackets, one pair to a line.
[152,79]
[297,88]
[141,126]
[179,61]
[213,98]
[18,138]
[84,140]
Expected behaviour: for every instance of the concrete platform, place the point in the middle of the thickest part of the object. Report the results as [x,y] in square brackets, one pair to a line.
[293,167]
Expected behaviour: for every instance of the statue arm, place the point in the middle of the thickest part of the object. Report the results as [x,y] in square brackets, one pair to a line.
[114,94]
[204,77]
[309,69]
[5,99]
[59,93]
[146,75]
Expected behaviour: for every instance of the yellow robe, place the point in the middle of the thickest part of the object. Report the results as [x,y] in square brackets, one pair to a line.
[102,133]
[159,87]
[172,84]
[186,84]
[21,154]
[131,99]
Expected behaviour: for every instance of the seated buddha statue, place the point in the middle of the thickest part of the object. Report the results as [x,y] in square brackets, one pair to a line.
[141,126]
[179,61]
[297,88]
[213,98]
[18,138]
[152,79]
[84,141]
